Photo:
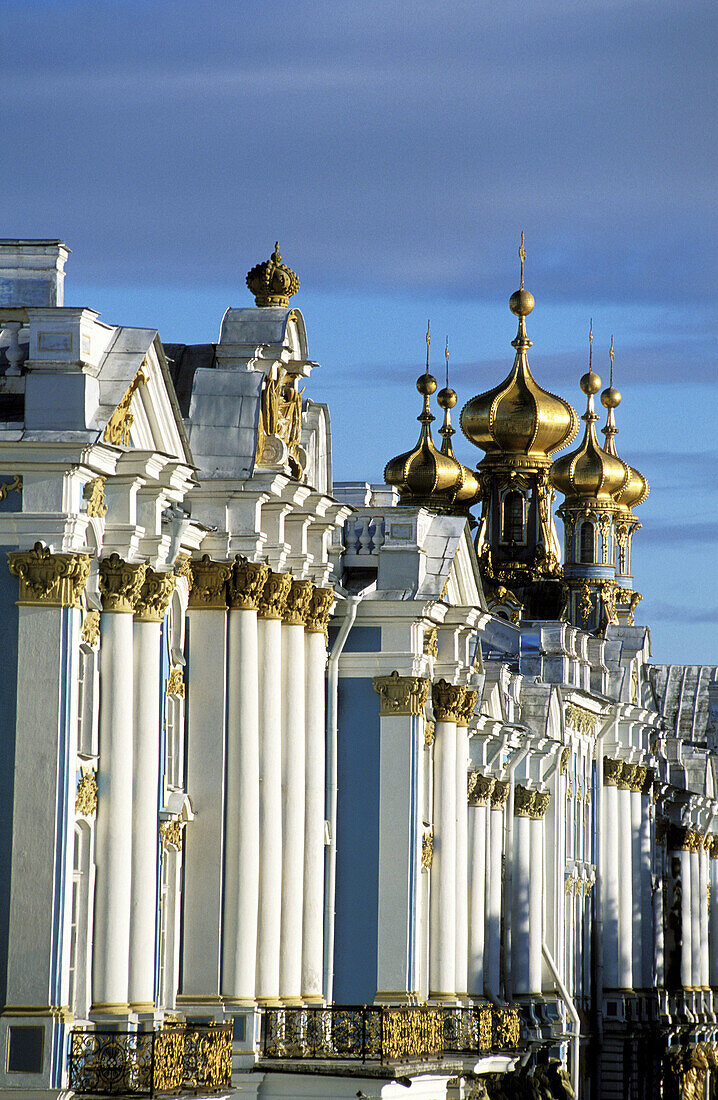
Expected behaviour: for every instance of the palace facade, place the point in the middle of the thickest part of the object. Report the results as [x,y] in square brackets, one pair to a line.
[333,790]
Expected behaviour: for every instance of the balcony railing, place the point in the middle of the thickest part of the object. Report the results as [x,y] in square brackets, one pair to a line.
[174,1059]
[376,1033]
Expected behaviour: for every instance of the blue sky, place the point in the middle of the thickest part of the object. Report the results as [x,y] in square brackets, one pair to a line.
[397,151]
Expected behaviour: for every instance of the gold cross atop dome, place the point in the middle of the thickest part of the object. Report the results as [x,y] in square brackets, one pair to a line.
[522,257]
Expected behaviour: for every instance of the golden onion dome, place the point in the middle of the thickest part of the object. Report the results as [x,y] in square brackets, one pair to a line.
[589,472]
[636,488]
[519,416]
[428,477]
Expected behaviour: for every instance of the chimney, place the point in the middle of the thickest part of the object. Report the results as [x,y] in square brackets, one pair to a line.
[32,273]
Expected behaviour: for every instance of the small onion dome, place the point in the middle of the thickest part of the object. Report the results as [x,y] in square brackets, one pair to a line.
[518,416]
[589,472]
[636,488]
[468,492]
[272,283]
[426,476]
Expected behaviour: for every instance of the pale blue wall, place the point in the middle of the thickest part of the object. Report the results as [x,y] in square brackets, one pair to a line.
[8,685]
[357,883]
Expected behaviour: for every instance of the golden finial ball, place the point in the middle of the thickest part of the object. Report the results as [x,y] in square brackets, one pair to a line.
[590,383]
[611,398]
[446,398]
[521,302]
[426,384]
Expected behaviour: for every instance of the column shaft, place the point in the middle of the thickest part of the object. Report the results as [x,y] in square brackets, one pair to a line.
[686,937]
[462,861]
[695,920]
[145,823]
[609,857]
[625,891]
[639,919]
[270,807]
[536,907]
[703,891]
[477,898]
[713,918]
[494,891]
[442,952]
[521,916]
[241,898]
[293,800]
[315,783]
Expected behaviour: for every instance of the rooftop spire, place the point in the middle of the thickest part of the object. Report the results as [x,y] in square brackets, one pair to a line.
[522,257]
[446,399]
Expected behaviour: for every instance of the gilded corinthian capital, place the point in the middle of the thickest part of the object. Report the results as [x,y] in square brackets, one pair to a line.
[319,610]
[273,598]
[401,695]
[480,788]
[121,583]
[499,793]
[208,591]
[299,599]
[246,583]
[612,771]
[53,580]
[449,701]
[155,594]
[528,803]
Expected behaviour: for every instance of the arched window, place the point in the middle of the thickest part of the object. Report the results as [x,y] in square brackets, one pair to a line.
[587,543]
[512,527]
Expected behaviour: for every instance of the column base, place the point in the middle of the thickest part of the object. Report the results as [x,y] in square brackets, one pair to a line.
[399,996]
[120,1008]
[312,999]
[291,1002]
[270,1002]
[143,1007]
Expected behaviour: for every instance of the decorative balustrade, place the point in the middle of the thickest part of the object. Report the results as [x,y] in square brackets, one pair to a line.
[175,1059]
[364,534]
[376,1033]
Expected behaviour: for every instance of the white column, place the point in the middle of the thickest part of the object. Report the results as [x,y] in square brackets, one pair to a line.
[120,584]
[462,852]
[494,887]
[703,881]
[695,910]
[649,925]
[521,890]
[641,921]
[241,870]
[315,656]
[293,790]
[206,777]
[480,790]
[713,913]
[536,891]
[685,939]
[447,700]
[609,863]
[269,627]
[625,888]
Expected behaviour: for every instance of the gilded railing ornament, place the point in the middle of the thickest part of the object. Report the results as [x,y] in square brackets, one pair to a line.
[431,642]
[299,600]
[429,730]
[581,719]
[14,486]
[499,793]
[427,850]
[175,683]
[401,695]
[171,834]
[120,583]
[95,496]
[154,597]
[479,788]
[273,598]
[90,633]
[53,580]
[209,584]
[86,794]
[467,707]
[530,803]
[246,583]
[118,427]
[448,701]
[409,1033]
[320,609]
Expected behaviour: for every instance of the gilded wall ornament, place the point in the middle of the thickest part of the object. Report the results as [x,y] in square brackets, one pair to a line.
[95,496]
[530,803]
[14,486]
[581,719]
[154,597]
[499,793]
[86,794]
[274,595]
[299,600]
[183,568]
[118,427]
[565,754]
[209,584]
[479,788]
[431,642]
[401,695]
[120,583]
[448,701]
[280,424]
[175,682]
[429,730]
[90,633]
[246,583]
[467,707]
[171,834]
[427,850]
[585,606]
[53,580]
[320,609]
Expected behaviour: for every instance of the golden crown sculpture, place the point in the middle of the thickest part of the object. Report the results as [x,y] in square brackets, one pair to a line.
[272,283]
